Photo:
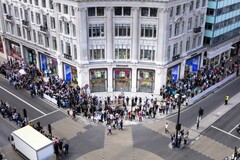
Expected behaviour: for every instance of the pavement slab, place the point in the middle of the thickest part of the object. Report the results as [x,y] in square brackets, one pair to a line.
[10,153]
[119,145]
[67,128]
[211,148]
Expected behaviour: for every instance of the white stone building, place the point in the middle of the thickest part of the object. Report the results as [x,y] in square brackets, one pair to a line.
[111,45]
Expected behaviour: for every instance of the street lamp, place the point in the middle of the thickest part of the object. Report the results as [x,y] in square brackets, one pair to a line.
[178,126]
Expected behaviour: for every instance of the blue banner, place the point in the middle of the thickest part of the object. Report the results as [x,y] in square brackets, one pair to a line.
[68,73]
[175,72]
[43,62]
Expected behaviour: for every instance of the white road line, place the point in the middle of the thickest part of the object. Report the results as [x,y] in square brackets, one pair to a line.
[44,115]
[225,132]
[234,128]
[22,100]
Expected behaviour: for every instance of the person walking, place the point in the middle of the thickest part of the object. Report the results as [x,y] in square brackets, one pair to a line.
[166,128]
[121,124]
[109,127]
[226,99]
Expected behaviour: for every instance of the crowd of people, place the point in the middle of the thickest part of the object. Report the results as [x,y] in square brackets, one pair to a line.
[111,108]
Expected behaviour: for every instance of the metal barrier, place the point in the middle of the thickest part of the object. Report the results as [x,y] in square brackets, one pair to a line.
[210,89]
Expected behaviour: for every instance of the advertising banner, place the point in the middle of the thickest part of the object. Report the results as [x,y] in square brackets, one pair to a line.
[43,62]
[175,72]
[68,74]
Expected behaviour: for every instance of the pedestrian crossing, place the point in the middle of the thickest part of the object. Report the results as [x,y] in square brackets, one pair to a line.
[211,148]
[67,128]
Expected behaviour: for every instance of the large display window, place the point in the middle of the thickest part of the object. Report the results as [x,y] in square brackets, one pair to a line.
[48,65]
[193,64]
[173,73]
[1,46]
[14,50]
[70,73]
[145,80]
[29,56]
[98,80]
[122,80]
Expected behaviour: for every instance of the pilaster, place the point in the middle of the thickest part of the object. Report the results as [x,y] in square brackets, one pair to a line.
[135,30]
[109,33]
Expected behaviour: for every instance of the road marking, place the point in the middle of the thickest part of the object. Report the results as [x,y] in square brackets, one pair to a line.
[44,115]
[234,128]
[225,132]
[22,100]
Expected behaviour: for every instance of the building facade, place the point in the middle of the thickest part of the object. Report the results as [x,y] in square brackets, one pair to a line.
[222,30]
[112,46]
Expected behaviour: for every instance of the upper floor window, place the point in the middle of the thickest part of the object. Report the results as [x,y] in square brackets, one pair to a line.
[149,12]
[36,2]
[44,3]
[175,49]
[190,23]
[97,52]
[16,12]
[170,31]
[53,23]
[148,30]
[59,7]
[38,18]
[65,9]
[122,30]
[51,4]
[67,28]
[184,8]
[171,11]
[74,30]
[54,43]
[96,30]
[73,11]
[191,6]
[203,3]
[4,8]
[122,52]
[178,10]
[122,11]
[147,53]
[176,32]
[197,3]
[96,11]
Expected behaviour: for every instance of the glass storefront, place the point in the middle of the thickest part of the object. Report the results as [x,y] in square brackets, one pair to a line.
[173,74]
[98,80]
[1,46]
[48,65]
[193,64]
[122,80]
[145,80]
[14,50]
[70,73]
[29,56]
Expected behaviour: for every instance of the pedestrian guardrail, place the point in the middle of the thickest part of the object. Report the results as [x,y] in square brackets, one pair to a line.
[210,89]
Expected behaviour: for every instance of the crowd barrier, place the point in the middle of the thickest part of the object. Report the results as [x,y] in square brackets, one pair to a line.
[50,99]
[200,95]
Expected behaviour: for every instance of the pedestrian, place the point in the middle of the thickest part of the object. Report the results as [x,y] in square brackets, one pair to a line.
[166,128]
[226,99]
[121,124]
[198,121]
[66,147]
[109,129]
[186,101]
[185,137]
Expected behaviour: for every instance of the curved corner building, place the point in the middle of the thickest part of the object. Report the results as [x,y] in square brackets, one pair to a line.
[111,45]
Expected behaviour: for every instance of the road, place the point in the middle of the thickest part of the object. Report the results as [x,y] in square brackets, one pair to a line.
[134,142]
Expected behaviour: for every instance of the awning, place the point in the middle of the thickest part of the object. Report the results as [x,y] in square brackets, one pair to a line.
[218,51]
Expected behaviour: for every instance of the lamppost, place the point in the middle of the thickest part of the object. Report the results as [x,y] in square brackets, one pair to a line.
[178,125]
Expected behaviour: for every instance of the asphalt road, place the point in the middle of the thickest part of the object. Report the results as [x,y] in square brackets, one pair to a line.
[6,130]
[188,117]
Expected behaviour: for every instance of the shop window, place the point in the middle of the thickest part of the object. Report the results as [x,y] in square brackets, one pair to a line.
[122,11]
[147,53]
[73,11]
[148,31]
[145,80]
[98,80]
[191,5]
[122,30]
[122,80]
[122,52]
[97,53]
[96,30]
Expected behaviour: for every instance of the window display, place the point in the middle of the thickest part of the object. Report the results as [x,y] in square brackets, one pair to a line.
[145,81]
[98,80]
[122,80]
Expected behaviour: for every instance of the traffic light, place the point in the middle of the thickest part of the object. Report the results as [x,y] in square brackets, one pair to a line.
[24,113]
[49,129]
